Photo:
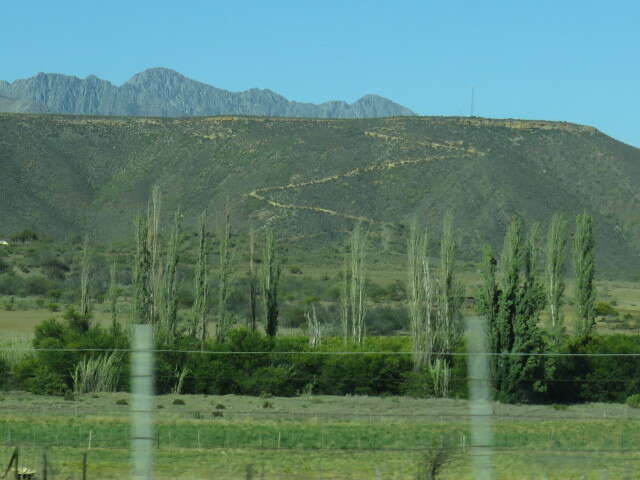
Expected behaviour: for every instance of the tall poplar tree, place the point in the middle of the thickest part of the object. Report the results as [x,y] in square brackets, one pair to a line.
[170,288]
[270,281]
[584,269]
[201,286]
[253,284]
[141,305]
[224,281]
[556,250]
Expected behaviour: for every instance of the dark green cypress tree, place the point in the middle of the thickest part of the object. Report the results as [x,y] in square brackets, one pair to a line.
[512,307]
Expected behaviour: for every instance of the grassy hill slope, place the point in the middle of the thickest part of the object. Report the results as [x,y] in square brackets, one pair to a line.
[312,177]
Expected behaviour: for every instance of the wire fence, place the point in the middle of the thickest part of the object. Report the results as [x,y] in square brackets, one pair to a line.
[311,436]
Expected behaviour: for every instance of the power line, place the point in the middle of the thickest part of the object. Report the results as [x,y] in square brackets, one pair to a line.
[326,353]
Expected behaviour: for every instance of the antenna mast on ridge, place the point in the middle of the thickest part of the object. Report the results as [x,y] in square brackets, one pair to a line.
[471,109]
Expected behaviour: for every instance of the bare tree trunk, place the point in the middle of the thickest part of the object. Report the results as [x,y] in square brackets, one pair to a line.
[420,296]
[224,317]
[170,300]
[450,327]
[153,241]
[314,327]
[344,303]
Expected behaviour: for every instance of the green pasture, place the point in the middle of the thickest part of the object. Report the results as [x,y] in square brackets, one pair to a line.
[320,437]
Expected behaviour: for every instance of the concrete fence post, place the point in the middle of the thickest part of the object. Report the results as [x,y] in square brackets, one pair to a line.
[142,438]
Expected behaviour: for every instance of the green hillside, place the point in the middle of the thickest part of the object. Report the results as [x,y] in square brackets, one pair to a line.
[65,175]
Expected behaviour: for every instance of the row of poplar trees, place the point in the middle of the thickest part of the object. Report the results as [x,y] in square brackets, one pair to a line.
[155,282]
[514,294]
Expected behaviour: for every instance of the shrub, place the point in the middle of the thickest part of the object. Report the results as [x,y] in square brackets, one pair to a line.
[596,378]
[216,414]
[179,401]
[295,270]
[55,269]
[267,404]
[386,320]
[10,304]
[4,373]
[122,401]
[271,381]
[220,406]
[37,285]
[633,400]
[11,284]
[4,266]
[605,310]
[25,236]
[37,377]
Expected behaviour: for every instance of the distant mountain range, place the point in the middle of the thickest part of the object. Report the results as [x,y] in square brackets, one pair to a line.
[161,92]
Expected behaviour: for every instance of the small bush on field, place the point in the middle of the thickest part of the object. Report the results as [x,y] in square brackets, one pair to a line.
[179,401]
[560,406]
[33,376]
[11,284]
[122,401]
[386,320]
[4,373]
[633,401]
[4,266]
[605,309]
[69,396]
[220,406]
[267,404]
[160,406]
[37,285]
[216,414]
[10,304]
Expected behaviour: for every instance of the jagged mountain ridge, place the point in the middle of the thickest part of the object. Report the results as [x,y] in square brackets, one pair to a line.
[161,92]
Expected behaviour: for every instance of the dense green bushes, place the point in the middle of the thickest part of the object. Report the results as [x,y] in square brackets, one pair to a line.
[50,369]
[598,378]
[288,366]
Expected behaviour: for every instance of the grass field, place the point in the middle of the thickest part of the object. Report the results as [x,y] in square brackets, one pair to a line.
[321,437]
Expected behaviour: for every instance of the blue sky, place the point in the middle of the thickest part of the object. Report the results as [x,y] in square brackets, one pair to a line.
[576,61]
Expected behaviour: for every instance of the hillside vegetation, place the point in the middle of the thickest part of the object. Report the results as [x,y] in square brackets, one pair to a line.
[311,178]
